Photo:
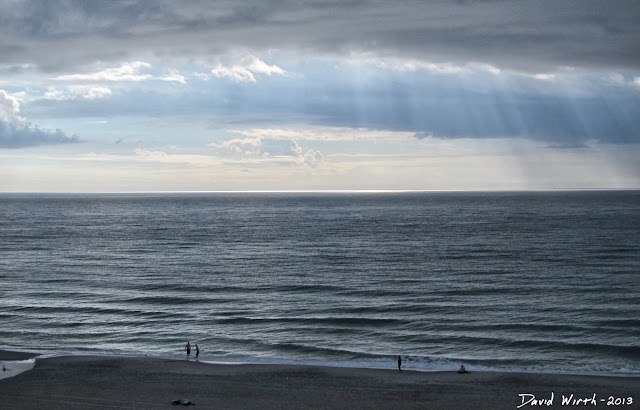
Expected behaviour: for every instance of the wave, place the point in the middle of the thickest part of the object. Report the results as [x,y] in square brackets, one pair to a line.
[312,321]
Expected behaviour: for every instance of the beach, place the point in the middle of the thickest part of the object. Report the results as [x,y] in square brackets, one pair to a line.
[80,382]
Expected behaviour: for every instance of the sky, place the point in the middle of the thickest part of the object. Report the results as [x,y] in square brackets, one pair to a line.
[139,96]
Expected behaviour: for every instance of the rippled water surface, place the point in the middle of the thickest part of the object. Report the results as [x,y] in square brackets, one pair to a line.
[544,281]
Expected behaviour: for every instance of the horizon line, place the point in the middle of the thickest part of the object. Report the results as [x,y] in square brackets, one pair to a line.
[326,191]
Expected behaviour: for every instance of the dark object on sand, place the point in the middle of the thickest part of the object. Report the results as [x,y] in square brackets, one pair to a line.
[183,402]
[462,370]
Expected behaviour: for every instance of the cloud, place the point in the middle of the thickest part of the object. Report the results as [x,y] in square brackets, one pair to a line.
[174,76]
[129,71]
[531,36]
[9,108]
[272,149]
[324,134]
[412,64]
[243,146]
[85,92]
[17,132]
[345,102]
[91,93]
[569,146]
[245,69]
[310,158]
[146,156]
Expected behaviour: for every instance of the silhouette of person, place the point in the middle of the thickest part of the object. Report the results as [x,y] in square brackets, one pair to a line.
[399,364]
[188,349]
[462,369]
[197,351]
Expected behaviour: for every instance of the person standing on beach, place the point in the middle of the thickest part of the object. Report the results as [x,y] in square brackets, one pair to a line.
[188,349]
[399,364]
[197,351]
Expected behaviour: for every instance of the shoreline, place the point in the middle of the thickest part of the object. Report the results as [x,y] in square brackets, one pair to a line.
[6,354]
[139,382]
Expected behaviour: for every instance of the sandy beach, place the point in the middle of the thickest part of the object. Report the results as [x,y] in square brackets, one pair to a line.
[80,382]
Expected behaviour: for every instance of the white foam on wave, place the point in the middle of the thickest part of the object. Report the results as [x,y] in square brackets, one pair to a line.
[421,364]
[10,368]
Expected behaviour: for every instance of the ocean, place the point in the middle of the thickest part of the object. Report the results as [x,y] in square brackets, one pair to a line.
[500,281]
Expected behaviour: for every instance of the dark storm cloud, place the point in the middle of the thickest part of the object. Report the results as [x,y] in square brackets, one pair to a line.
[520,34]
[26,135]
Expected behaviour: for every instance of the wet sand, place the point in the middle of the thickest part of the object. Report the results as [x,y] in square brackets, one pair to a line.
[13,363]
[81,382]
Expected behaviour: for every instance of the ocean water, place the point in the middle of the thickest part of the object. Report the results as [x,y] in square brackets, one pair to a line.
[528,281]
